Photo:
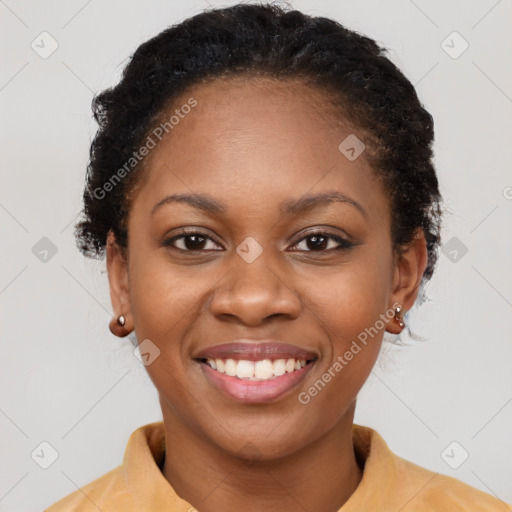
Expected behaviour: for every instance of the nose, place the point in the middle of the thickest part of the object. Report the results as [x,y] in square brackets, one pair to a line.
[252,293]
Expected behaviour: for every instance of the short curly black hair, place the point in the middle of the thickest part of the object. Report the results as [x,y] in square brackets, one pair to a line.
[279,42]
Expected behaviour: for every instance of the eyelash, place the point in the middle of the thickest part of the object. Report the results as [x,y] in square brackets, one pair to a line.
[344,244]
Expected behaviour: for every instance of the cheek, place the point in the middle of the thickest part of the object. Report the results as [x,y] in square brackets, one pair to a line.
[352,297]
[162,302]
[351,306]
[161,299]
[354,324]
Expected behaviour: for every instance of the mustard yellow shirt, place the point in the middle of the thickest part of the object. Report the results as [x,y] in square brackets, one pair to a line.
[389,484]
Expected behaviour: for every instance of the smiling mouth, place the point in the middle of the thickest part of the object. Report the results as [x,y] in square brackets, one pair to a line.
[260,370]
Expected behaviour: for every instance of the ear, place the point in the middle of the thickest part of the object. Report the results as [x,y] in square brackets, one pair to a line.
[117,266]
[409,268]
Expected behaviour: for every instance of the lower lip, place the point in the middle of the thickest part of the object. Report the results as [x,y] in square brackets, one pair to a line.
[255,391]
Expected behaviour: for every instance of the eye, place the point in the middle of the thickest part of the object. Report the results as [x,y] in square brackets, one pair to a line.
[317,241]
[190,241]
[320,241]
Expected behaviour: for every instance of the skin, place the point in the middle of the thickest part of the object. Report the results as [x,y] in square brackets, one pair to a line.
[250,144]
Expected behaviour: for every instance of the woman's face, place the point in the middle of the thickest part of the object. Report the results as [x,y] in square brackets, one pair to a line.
[260,173]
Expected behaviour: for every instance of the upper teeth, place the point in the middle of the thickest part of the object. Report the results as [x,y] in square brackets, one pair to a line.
[256,370]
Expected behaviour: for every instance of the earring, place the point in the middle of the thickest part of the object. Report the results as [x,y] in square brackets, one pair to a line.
[399,316]
[120,320]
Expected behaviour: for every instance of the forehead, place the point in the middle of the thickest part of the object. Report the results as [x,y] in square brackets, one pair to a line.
[260,139]
[241,101]
[233,112]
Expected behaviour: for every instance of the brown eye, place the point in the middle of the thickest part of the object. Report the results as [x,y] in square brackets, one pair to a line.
[189,242]
[323,241]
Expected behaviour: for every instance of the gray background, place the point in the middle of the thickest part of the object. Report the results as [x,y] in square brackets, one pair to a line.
[66,380]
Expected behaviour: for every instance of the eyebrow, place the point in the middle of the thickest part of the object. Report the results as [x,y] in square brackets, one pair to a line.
[288,207]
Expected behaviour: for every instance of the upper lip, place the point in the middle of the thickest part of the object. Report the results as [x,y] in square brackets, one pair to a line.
[255,350]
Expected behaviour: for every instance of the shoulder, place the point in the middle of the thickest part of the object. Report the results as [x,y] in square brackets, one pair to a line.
[392,483]
[138,479]
[435,491]
[108,492]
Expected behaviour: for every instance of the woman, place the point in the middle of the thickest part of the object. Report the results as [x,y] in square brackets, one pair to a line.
[262,186]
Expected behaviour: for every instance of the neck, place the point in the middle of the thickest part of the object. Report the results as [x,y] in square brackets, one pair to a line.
[320,476]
